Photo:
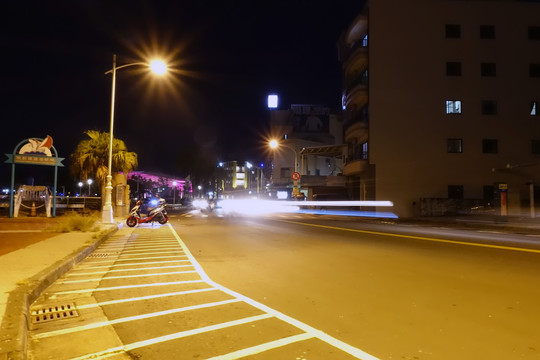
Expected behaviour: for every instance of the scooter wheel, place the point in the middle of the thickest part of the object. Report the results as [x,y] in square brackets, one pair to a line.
[162,220]
[131,221]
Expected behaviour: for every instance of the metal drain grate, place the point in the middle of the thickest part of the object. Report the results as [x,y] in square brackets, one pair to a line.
[47,313]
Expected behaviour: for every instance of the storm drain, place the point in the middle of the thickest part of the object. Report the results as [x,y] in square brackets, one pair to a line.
[46,313]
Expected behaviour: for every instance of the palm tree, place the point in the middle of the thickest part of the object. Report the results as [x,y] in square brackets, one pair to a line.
[91,157]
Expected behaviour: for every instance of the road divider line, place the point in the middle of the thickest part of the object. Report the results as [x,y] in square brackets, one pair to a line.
[306,328]
[455,242]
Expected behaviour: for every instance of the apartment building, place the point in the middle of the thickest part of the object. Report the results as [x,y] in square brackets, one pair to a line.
[441,105]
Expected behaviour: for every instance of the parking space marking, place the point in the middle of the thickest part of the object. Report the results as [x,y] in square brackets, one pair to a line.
[360,354]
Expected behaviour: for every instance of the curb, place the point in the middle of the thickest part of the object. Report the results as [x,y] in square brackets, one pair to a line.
[13,337]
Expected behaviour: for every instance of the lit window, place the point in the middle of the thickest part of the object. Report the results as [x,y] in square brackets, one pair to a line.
[453,106]
[454,146]
[534,108]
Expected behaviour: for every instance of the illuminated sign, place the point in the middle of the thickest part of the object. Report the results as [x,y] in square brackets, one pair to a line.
[272,101]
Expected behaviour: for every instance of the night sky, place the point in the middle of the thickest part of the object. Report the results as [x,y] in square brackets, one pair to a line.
[225,58]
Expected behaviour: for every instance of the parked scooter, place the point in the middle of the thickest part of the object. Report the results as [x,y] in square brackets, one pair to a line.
[159,214]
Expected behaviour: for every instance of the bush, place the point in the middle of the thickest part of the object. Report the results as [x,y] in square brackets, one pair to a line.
[76,222]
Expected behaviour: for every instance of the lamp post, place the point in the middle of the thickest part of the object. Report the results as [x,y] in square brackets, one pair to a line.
[89,181]
[274,144]
[80,188]
[159,68]
[174,183]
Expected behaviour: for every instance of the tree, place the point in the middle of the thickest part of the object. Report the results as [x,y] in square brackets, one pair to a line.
[91,157]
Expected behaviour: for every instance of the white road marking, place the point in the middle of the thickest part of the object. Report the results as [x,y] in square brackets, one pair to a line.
[306,328]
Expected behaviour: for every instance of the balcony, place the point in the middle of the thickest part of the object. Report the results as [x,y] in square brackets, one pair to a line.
[355,167]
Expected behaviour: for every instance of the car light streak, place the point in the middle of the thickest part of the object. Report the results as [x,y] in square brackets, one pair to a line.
[130,318]
[254,207]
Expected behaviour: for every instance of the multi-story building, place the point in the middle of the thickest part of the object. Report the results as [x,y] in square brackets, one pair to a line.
[441,104]
[236,180]
[310,138]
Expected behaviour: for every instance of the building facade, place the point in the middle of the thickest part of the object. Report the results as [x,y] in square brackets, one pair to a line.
[311,144]
[441,105]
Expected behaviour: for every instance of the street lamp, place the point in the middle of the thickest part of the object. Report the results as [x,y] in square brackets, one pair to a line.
[159,68]
[80,188]
[274,144]
[89,181]
[174,183]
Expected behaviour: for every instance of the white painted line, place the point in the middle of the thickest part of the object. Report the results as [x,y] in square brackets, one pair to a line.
[178,335]
[152,253]
[142,298]
[130,318]
[306,328]
[83,267]
[132,269]
[127,287]
[128,276]
[262,347]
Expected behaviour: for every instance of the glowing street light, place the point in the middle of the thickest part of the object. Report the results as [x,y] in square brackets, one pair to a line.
[174,183]
[80,187]
[274,144]
[159,68]
[89,182]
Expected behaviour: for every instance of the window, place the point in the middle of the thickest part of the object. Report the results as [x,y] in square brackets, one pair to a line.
[285,173]
[454,146]
[488,69]
[535,147]
[455,191]
[453,106]
[534,70]
[534,109]
[453,68]
[489,107]
[487,32]
[534,32]
[453,31]
[490,146]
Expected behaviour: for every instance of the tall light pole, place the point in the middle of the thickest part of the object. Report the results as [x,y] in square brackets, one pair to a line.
[89,182]
[174,183]
[274,144]
[159,68]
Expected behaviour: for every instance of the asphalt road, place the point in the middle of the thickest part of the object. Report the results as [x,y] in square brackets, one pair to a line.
[295,287]
[423,294]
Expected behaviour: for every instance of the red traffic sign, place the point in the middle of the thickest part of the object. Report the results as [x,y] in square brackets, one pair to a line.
[295,175]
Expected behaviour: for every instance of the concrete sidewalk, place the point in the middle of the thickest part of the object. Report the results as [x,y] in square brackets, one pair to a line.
[26,272]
